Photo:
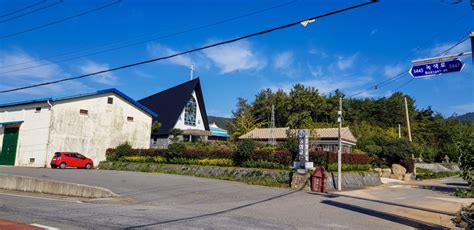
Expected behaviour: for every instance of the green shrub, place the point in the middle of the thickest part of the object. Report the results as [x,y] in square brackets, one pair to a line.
[122,150]
[466,160]
[245,150]
[175,150]
[143,159]
[427,174]
[216,162]
[206,161]
[348,167]
[263,164]
[398,150]
[464,193]
[423,171]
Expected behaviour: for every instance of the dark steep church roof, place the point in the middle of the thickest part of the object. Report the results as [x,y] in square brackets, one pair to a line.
[169,104]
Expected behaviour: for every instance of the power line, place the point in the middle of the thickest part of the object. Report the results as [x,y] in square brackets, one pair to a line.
[24,8]
[61,20]
[400,75]
[454,46]
[403,85]
[135,43]
[33,11]
[381,84]
[193,50]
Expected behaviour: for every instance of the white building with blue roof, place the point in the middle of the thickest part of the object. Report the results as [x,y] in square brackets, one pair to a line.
[32,131]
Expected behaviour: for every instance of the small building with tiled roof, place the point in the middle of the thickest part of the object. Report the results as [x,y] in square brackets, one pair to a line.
[322,139]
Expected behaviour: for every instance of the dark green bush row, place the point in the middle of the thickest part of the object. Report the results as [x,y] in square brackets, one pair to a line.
[245,153]
[325,158]
[348,167]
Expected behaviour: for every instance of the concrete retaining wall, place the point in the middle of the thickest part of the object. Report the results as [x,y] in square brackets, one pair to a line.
[437,167]
[349,180]
[30,184]
[354,179]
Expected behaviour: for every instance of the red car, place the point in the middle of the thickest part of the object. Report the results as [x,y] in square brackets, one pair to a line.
[69,159]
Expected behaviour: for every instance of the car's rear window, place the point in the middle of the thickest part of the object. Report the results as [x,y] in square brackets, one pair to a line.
[57,154]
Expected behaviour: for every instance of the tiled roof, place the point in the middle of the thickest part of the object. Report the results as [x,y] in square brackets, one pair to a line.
[282,133]
[265,133]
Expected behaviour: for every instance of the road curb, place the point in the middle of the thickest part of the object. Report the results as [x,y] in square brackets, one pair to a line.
[30,184]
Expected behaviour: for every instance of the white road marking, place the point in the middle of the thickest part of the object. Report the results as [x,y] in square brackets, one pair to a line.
[41,198]
[44,226]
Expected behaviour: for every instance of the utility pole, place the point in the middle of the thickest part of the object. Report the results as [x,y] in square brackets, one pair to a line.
[339,150]
[408,119]
[408,125]
[399,131]
[272,139]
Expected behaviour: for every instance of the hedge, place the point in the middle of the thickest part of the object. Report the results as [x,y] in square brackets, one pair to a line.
[112,153]
[221,155]
[270,155]
[348,167]
[325,158]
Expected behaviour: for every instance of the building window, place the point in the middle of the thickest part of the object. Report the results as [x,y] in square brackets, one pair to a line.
[129,118]
[110,100]
[190,112]
[83,111]
[37,109]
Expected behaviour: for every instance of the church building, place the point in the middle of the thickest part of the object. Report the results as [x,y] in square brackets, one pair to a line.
[180,107]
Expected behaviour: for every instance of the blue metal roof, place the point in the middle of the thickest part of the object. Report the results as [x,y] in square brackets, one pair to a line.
[112,90]
[11,123]
[219,132]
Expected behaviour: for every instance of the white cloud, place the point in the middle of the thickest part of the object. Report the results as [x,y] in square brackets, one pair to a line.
[329,85]
[319,53]
[344,63]
[392,70]
[283,60]
[11,62]
[316,71]
[437,49]
[13,77]
[158,50]
[235,57]
[462,109]
[103,78]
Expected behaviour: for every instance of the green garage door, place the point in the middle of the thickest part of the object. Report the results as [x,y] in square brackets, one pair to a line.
[10,140]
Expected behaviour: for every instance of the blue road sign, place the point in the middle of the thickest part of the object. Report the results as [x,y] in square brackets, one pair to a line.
[435,68]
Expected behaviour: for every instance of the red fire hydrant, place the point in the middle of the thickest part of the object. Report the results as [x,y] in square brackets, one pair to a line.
[319,180]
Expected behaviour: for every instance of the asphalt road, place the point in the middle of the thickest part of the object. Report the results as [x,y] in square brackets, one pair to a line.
[155,201]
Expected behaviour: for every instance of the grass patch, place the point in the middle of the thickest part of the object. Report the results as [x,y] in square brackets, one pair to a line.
[427,174]
[464,193]
[265,177]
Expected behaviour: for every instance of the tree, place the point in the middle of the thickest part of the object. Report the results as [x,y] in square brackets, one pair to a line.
[155,127]
[175,133]
[466,159]
[244,124]
[242,105]
[397,150]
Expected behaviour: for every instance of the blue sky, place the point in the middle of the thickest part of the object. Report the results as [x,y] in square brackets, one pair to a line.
[350,51]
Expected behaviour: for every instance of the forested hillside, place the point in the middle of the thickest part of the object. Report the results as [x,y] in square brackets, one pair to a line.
[373,121]
[222,122]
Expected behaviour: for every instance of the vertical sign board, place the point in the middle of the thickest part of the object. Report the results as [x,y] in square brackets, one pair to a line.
[436,68]
[303,144]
